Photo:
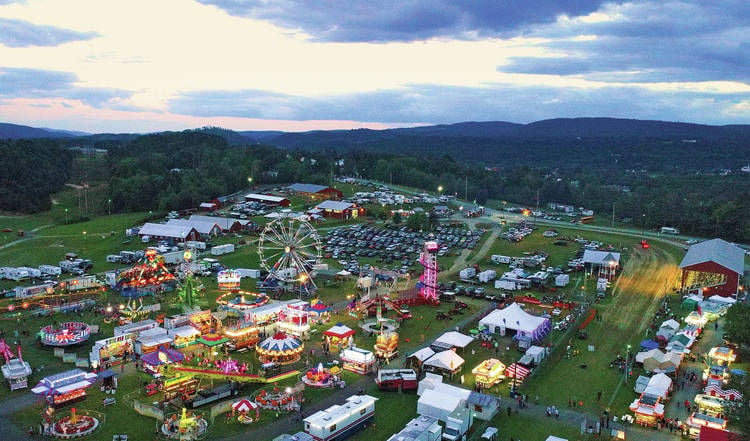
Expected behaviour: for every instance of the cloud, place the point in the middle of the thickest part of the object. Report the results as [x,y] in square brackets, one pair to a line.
[34,83]
[20,33]
[404,20]
[647,41]
[446,104]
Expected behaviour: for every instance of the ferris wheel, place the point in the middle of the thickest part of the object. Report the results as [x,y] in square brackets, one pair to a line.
[288,249]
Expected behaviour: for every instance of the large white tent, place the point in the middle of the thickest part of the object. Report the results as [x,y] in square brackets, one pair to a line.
[659,385]
[446,360]
[516,319]
[454,339]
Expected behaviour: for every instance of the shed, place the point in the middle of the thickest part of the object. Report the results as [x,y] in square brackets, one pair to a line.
[483,406]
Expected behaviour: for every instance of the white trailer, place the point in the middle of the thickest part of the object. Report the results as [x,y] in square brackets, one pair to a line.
[497,258]
[467,273]
[114,258]
[669,230]
[195,245]
[173,258]
[487,275]
[33,272]
[50,270]
[80,283]
[219,250]
[252,273]
[509,285]
[31,291]
[15,274]
[339,421]
[562,280]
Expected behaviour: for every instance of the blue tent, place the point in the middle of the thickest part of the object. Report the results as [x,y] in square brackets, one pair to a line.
[649,344]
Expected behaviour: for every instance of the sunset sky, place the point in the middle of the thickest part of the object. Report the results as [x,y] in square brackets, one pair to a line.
[140,66]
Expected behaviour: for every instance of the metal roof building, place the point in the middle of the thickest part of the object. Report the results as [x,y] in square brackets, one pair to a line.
[713,267]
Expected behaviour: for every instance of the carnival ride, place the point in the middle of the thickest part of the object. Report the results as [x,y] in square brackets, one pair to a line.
[74,425]
[241,300]
[216,373]
[148,275]
[427,285]
[186,426]
[285,400]
[16,371]
[319,376]
[386,345]
[280,348]
[189,290]
[288,249]
[66,334]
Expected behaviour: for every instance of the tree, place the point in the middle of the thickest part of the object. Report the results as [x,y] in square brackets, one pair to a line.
[737,324]
[396,219]
[418,221]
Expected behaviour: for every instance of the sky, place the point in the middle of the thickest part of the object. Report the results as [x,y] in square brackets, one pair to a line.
[295,65]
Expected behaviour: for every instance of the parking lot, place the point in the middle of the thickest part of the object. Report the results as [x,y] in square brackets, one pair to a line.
[395,248]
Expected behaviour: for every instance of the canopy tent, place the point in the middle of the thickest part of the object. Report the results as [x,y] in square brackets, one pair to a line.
[438,404]
[658,385]
[514,318]
[244,405]
[423,354]
[649,344]
[554,438]
[671,324]
[446,360]
[658,361]
[339,331]
[454,339]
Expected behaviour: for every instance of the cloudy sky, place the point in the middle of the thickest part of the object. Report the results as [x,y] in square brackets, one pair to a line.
[146,65]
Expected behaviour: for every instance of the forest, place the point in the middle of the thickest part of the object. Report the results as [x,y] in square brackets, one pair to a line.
[177,170]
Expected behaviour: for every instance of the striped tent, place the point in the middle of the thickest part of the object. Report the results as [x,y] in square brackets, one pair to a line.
[518,371]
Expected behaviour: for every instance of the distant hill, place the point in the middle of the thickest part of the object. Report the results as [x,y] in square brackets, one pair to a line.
[15,131]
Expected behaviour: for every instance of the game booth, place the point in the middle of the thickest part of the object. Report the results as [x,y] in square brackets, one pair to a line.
[698,420]
[339,336]
[319,311]
[294,319]
[489,373]
[359,361]
[152,340]
[280,348]
[111,351]
[228,280]
[65,388]
[648,409]
[184,336]
[722,356]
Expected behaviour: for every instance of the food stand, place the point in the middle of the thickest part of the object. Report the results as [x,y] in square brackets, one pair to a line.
[386,346]
[648,410]
[359,361]
[722,355]
[184,336]
[489,373]
[294,319]
[339,336]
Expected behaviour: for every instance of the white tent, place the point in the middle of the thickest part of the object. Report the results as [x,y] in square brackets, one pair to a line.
[454,339]
[423,354]
[671,324]
[659,385]
[446,360]
[554,438]
[515,318]
[430,381]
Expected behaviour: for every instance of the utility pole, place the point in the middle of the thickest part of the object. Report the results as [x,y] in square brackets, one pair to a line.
[466,188]
[613,214]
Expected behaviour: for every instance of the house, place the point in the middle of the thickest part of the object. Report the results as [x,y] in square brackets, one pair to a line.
[268,200]
[315,192]
[176,233]
[340,210]
[208,206]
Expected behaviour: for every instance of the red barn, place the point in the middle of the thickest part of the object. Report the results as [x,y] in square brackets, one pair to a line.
[713,267]
[316,192]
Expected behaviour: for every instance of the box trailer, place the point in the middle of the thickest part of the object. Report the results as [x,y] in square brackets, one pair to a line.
[196,245]
[509,285]
[669,230]
[496,258]
[80,283]
[222,249]
[114,258]
[251,273]
[31,291]
[173,258]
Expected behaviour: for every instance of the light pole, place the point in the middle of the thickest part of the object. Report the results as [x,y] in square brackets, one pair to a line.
[66,216]
[109,206]
[440,189]
[627,365]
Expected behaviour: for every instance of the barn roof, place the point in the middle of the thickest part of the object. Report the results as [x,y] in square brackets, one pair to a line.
[225,223]
[201,226]
[334,205]
[719,251]
[307,188]
[164,230]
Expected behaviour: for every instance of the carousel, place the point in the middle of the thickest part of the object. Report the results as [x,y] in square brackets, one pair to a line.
[66,334]
[247,412]
[74,425]
[184,427]
[280,348]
